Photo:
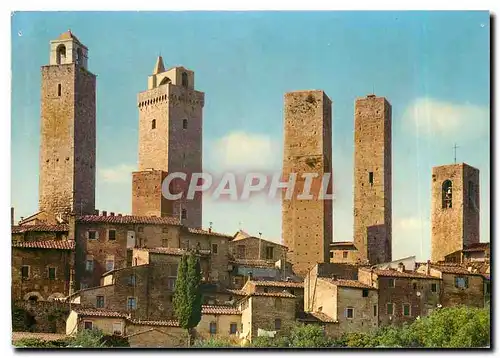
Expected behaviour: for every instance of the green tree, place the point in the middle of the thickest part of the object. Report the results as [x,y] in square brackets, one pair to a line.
[213,343]
[187,295]
[309,336]
[87,338]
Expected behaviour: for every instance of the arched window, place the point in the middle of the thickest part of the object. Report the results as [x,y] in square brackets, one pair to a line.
[184,79]
[447,194]
[61,54]
[184,123]
[153,124]
[164,81]
[79,56]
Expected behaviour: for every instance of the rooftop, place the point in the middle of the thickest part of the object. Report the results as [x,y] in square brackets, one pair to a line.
[129,219]
[219,310]
[315,317]
[206,232]
[171,251]
[253,263]
[455,269]
[100,312]
[278,283]
[479,246]
[39,228]
[396,273]
[47,244]
[347,283]
[164,323]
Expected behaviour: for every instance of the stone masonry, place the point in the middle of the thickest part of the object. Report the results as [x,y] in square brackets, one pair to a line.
[373,179]
[170,140]
[68,131]
[455,209]
[307,225]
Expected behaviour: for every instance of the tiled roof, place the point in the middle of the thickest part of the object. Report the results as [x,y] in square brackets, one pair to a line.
[205,232]
[347,283]
[341,243]
[99,312]
[272,294]
[396,273]
[479,246]
[47,244]
[454,269]
[42,336]
[40,228]
[219,310]
[315,317]
[245,236]
[278,284]
[164,323]
[67,36]
[236,292]
[253,263]
[129,219]
[172,251]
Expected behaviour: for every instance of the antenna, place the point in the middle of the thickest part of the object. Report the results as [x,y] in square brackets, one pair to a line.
[455,152]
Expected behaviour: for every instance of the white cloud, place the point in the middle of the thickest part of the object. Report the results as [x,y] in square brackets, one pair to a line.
[118,174]
[239,150]
[446,120]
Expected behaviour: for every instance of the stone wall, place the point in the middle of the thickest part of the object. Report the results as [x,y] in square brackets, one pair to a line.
[154,336]
[473,295]
[253,248]
[47,317]
[147,196]
[365,309]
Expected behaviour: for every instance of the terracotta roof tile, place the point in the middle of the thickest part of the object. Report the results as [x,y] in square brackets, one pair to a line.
[278,284]
[454,269]
[219,310]
[256,238]
[315,317]
[205,232]
[347,283]
[272,294]
[129,219]
[479,246]
[236,292]
[171,251]
[47,244]
[164,323]
[253,263]
[99,312]
[396,273]
[67,36]
[40,227]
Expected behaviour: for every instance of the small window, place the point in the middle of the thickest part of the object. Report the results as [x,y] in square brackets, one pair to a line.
[349,312]
[112,235]
[140,229]
[131,280]
[171,283]
[392,282]
[390,309]
[164,242]
[92,235]
[461,282]
[153,124]
[344,254]
[447,194]
[110,265]
[52,273]
[365,292]
[87,325]
[331,254]
[184,123]
[213,328]
[266,290]
[233,327]
[89,265]
[433,287]
[269,253]
[214,248]
[414,285]
[117,329]
[131,303]
[370,177]
[277,324]
[173,270]
[184,214]
[375,310]
[406,310]
[99,301]
[164,230]
[25,272]
[59,90]
[184,79]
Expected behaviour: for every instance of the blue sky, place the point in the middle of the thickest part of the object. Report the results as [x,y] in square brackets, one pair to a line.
[433,67]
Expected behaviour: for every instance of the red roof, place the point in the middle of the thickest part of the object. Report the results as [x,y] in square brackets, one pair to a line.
[478,246]
[454,269]
[396,273]
[346,283]
[278,284]
[236,292]
[253,263]
[40,228]
[129,219]
[205,232]
[99,312]
[47,244]
[164,323]
[272,294]
[172,251]
[219,310]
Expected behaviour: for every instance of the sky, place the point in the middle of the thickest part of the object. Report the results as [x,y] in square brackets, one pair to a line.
[433,67]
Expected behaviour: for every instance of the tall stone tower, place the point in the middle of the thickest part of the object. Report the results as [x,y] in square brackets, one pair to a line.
[455,209]
[68,131]
[373,179]
[170,140]
[307,225]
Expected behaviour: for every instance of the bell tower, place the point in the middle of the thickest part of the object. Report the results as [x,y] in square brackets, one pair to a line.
[68,131]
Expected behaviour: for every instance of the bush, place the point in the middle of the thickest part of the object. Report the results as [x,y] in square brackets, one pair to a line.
[39,343]
[87,338]
[213,343]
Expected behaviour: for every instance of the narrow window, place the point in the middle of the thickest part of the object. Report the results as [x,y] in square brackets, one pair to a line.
[447,194]
[349,312]
[365,292]
[233,327]
[184,123]
[184,79]
[390,309]
[52,273]
[392,283]
[214,248]
[89,265]
[406,309]
[59,90]
[25,272]
[110,264]
[184,214]
[99,301]
[375,310]
[213,328]
[414,285]
[344,254]
[131,280]
[140,229]
[171,283]
[112,235]
[87,325]
[331,254]
[131,303]
[433,287]
[461,282]
[92,235]
[153,124]
[370,177]
[164,230]
[269,253]
[277,324]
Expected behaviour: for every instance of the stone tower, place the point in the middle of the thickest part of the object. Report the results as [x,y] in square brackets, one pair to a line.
[307,225]
[455,209]
[170,140]
[373,179]
[68,131]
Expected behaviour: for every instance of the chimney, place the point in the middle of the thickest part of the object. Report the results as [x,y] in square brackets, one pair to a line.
[119,214]
[104,213]
[96,212]
[428,268]
[401,267]
[111,214]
